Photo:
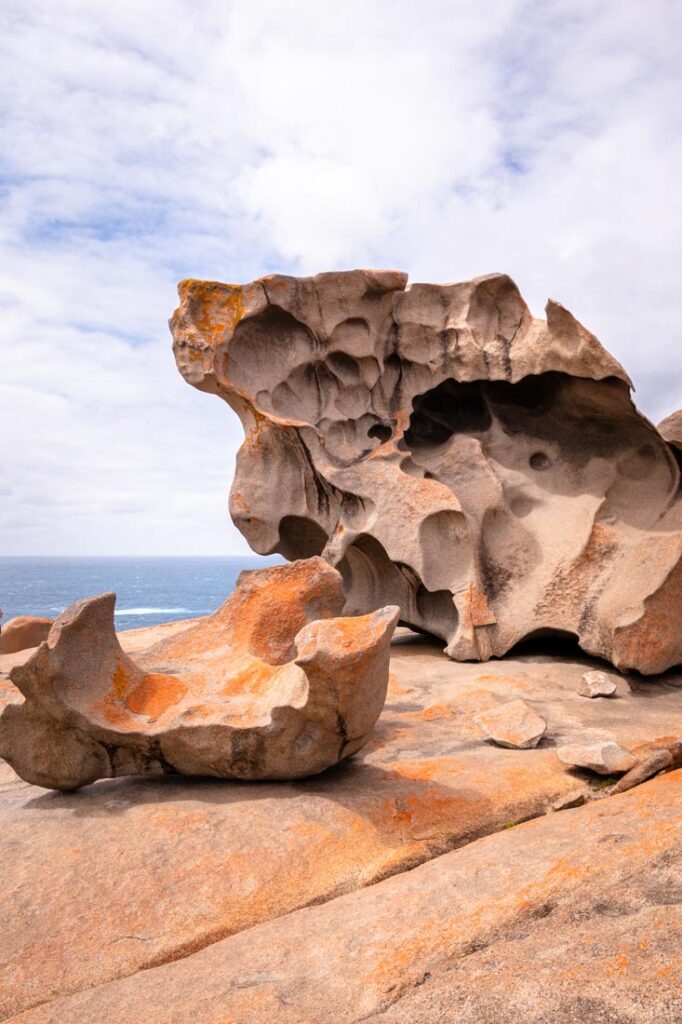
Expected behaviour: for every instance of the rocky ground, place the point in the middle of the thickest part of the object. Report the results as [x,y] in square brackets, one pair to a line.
[428,880]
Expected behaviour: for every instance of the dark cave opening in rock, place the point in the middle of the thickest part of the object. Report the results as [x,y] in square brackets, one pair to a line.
[447,409]
[552,643]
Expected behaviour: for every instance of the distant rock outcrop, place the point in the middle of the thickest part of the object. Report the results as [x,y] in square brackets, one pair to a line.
[271,686]
[450,453]
[22,632]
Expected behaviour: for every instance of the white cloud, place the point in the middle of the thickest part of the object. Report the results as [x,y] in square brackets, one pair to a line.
[144,142]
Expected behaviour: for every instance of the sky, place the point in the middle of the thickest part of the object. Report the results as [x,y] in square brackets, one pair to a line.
[142,142]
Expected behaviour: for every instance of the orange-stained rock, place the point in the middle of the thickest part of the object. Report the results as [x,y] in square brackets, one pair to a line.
[23,632]
[573,918]
[268,687]
[450,453]
[134,872]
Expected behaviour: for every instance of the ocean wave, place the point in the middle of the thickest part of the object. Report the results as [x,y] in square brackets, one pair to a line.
[152,611]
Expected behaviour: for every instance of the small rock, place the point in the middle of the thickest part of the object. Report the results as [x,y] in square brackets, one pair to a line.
[576,798]
[647,768]
[596,684]
[513,725]
[605,758]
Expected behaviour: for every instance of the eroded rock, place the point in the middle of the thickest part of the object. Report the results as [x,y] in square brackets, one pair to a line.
[271,686]
[604,758]
[450,453]
[514,725]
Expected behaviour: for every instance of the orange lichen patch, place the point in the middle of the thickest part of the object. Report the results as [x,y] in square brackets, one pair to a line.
[265,615]
[214,307]
[154,694]
[111,705]
[433,712]
[253,680]
[395,689]
[641,750]
[505,681]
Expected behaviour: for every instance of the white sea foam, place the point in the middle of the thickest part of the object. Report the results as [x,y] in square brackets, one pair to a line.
[151,611]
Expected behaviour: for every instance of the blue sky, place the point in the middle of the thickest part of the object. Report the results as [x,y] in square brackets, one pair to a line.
[146,141]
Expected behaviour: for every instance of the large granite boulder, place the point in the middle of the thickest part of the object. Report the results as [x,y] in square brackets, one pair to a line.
[274,685]
[449,453]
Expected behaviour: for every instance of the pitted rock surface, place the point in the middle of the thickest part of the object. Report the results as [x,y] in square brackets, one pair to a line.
[450,453]
[274,685]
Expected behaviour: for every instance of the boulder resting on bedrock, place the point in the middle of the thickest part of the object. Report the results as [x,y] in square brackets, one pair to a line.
[450,453]
[274,685]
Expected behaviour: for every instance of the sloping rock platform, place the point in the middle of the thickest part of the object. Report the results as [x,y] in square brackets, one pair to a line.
[176,900]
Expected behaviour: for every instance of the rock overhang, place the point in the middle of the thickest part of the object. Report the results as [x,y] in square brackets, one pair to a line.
[448,452]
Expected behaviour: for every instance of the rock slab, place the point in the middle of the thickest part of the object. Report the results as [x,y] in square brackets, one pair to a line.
[572,917]
[604,758]
[514,725]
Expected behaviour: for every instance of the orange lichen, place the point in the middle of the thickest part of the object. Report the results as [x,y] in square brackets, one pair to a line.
[254,680]
[154,694]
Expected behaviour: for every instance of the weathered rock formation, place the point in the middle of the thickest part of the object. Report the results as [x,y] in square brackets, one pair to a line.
[163,869]
[450,453]
[23,632]
[271,686]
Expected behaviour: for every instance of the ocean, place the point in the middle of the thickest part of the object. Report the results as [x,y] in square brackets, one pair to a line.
[148,590]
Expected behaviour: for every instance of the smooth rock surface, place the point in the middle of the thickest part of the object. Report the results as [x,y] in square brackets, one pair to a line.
[570,919]
[273,685]
[603,758]
[23,632]
[129,873]
[450,453]
[514,725]
[596,684]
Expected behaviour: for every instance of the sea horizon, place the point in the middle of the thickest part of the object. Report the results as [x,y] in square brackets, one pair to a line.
[172,587]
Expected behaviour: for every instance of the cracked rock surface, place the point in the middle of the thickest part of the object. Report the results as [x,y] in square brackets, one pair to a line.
[450,453]
[107,884]
[274,685]
[574,917]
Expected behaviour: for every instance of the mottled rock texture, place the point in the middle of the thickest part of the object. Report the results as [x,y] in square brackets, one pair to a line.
[450,453]
[23,632]
[573,918]
[132,873]
[271,686]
